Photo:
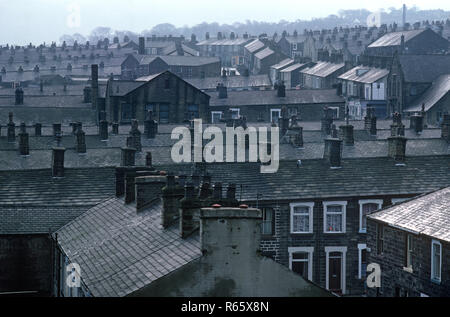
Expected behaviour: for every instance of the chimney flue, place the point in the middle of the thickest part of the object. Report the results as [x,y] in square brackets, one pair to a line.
[333,152]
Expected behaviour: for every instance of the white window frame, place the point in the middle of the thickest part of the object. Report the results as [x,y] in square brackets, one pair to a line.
[275,110]
[310,251]
[433,279]
[310,205]
[337,111]
[361,204]
[344,213]
[238,110]
[361,247]
[216,112]
[343,250]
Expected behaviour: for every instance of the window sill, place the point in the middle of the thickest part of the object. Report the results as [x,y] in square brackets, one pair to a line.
[301,233]
[329,232]
[408,269]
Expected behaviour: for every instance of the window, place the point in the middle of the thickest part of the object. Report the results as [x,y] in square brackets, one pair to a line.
[294,46]
[334,112]
[408,251]
[334,216]
[216,116]
[163,113]
[193,112]
[300,261]
[275,115]
[362,260]
[268,221]
[436,261]
[380,238]
[366,207]
[235,113]
[302,217]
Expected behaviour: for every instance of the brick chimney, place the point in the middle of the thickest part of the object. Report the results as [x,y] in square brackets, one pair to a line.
[141,50]
[94,86]
[128,156]
[370,121]
[38,129]
[81,140]
[416,123]
[11,129]
[445,128]
[397,127]
[24,145]
[135,136]
[333,152]
[397,148]
[281,90]
[58,161]
[190,208]
[230,232]
[115,128]
[223,91]
[19,96]
[346,133]
[172,193]
[148,190]
[103,127]
[150,126]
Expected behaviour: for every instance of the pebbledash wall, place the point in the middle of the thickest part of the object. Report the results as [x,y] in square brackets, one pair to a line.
[352,241]
[395,280]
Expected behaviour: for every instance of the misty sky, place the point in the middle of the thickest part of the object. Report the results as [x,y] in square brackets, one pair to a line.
[24,21]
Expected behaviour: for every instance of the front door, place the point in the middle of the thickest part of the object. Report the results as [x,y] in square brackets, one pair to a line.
[335,271]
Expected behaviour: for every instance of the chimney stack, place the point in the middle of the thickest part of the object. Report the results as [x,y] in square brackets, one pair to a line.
[150,126]
[58,161]
[148,190]
[135,136]
[370,121]
[327,121]
[172,193]
[397,127]
[94,86]
[397,148]
[115,128]
[81,140]
[148,159]
[231,196]
[190,209]
[333,152]
[445,128]
[235,232]
[24,147]
[223,91]
[11,129]
[38,129]
[416,123]
[346,132]
[19,96]
[103,126]
[281,90]
[128,156]
[141,46]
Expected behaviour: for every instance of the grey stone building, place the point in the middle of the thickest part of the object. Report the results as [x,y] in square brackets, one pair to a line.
[410,242]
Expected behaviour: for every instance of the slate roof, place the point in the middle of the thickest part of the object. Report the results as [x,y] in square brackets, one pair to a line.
[438,90]
[121,88]
[269,97]
[323,69]
[264,53]
[424,68]
[372,75]
[427,215]
[173,60]
[128,250]
[394,38]
[80,187]
[292,68]
[214,41]
[48,115]
[231,82]
[57,101]
[254,46]
[284,63]
[314,179]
